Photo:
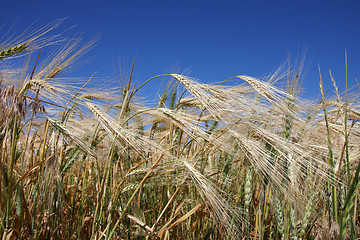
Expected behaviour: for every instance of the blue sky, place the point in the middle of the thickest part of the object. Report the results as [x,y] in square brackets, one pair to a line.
[210,40]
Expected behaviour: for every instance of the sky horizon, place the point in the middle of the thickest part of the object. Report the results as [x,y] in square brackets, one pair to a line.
[207,40]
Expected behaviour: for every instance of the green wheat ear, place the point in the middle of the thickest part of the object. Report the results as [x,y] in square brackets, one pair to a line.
[279,216]
[12,51]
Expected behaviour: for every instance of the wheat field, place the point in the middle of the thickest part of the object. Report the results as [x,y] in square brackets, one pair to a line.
[246,158]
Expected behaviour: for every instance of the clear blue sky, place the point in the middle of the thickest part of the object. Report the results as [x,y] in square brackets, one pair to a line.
[214,39]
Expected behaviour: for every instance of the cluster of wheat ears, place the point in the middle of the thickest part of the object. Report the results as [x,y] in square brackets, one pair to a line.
[243,159]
